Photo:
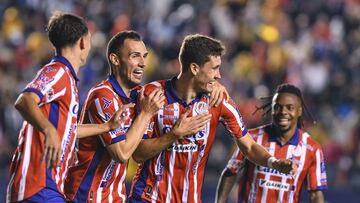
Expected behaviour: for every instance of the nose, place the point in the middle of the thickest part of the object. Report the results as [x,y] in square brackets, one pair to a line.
[142,62]
[217,75]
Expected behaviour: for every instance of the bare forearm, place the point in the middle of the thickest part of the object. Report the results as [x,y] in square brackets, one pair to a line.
[226,182]
[27,106]
[255,152]
[86,130]
[149,148]
[135,134]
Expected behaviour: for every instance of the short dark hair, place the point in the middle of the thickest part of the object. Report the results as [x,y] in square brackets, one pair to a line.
[285,88]
[65,29]
[117,42]
[197,48]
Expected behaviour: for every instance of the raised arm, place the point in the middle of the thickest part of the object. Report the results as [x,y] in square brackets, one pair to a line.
[27,105]
[184,126]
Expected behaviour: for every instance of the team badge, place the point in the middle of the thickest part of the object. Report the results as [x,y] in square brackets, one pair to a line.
[201,107]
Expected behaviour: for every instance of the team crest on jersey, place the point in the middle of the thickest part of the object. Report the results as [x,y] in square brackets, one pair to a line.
[201,107]
[297,151]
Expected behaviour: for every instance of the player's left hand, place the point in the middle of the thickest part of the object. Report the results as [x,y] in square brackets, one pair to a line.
[285,166]
[119,117]
[217,95]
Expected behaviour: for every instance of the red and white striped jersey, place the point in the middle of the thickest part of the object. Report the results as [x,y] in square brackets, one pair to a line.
[177,173]
[262,184]
[95,176]
[55,84]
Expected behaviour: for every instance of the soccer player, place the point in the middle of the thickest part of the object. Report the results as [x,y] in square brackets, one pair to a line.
[49,106]
[172,169]
[99,174]
[284,138]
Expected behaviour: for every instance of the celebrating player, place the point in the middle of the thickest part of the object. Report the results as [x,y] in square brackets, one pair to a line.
[284,139]
[172,169]
[49,106]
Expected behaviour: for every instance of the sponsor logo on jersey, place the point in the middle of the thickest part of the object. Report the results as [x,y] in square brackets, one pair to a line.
[183,147]
[274,185]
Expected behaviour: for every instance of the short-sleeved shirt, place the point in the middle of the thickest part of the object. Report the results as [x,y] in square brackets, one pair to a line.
[95,176]
[55,84]
[177,173]
[263,184]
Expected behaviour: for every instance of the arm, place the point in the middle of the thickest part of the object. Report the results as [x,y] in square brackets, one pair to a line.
[149,105]
[260,156]
[316,196]
[87,130]
[225,184]
[149,148]
[27,105]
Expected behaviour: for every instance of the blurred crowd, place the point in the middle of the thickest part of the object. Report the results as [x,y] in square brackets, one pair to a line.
[313,44]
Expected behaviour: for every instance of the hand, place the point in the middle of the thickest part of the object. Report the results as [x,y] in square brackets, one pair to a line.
[284,166]
[151,103]
[217,95]
[190,125]
[119,117]
[52,147]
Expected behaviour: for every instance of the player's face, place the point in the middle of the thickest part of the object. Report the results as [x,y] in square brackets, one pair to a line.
[208,74]
[286,110]
[85,51]
[132,62]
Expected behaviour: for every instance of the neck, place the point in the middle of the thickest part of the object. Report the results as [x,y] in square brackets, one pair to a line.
[284,136]
[126,88]
[184,88]
[74,60]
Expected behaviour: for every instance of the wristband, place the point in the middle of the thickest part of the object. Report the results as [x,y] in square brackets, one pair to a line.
[270,161]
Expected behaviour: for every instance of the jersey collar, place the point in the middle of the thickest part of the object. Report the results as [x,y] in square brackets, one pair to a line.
[116,86]
[294,140]
[64,61]
[171,94]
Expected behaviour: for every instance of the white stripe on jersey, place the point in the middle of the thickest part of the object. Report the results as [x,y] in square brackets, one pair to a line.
[68,136]
[186,181]
[254,186]
[236,115]
[289,154]
[99,194]
[57,77]
[58,94]
[120,184]
[172,159]
[25,166]
[267,175]
[318,167]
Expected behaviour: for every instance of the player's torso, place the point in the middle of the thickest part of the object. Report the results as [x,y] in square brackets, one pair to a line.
[92,160]
[177,173]
[264,184]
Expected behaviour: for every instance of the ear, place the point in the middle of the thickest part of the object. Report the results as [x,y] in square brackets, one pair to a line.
[114,59]
[300,111]
[194,68]
[82,43]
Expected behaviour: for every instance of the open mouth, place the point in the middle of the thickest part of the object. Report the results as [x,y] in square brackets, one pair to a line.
[138,73]
[283,121]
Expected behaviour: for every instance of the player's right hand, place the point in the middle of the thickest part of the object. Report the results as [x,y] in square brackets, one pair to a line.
[52,147]
[151,103]
[284,166]
[190,125]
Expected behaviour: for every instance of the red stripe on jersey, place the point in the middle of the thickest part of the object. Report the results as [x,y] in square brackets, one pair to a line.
[176,174]
[95,172]
[262,184]
[56,87]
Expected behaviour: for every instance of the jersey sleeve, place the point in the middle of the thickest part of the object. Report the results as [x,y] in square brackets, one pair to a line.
[102,106]
[231,117]
[317,173]
[49,84]
[236,162]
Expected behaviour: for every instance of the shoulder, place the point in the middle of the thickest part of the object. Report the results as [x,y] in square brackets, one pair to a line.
[256,132]
[148,88]
[103,89]
[311,143]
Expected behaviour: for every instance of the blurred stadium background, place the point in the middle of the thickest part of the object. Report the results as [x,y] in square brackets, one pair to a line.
[313,44]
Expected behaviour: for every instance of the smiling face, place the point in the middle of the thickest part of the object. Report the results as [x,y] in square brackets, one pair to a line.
[132,62]
[206,75]
[286,111]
